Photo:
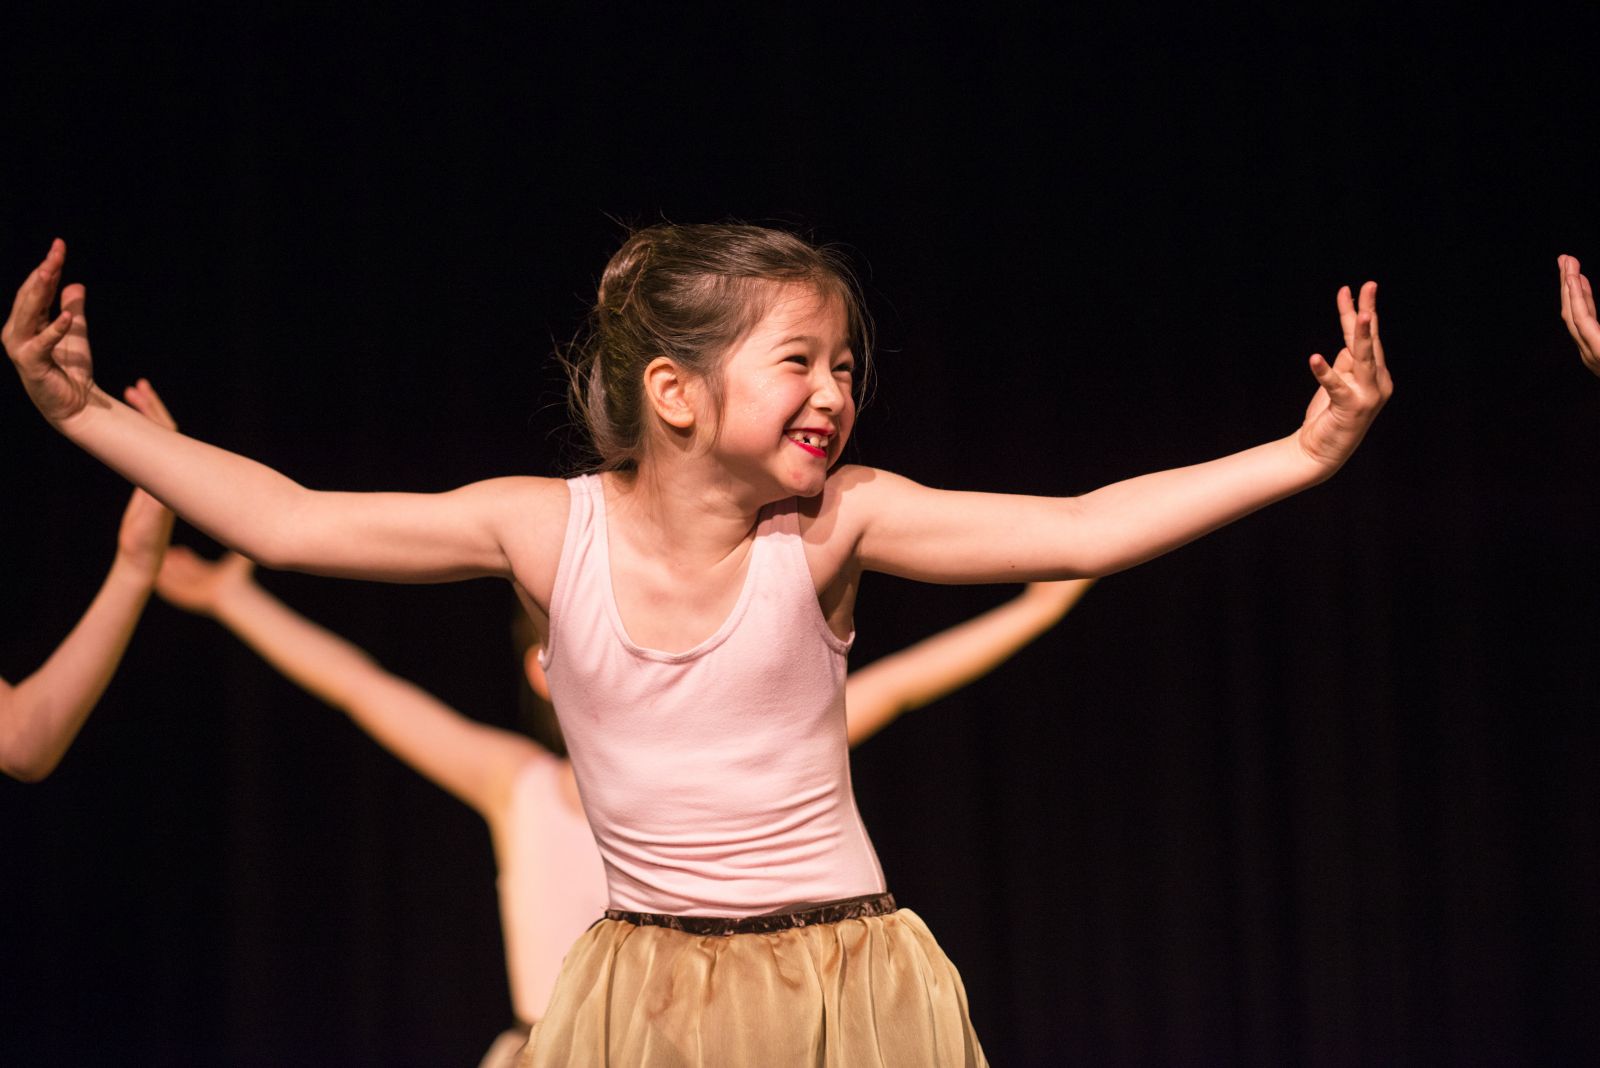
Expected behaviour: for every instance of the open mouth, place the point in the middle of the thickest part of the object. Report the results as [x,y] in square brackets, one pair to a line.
[813,441]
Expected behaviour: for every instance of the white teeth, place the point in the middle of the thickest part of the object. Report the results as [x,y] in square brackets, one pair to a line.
[814,440]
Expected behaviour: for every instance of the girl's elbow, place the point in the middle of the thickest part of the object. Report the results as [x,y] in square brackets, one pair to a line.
[271,556]
[1094,564]
[276,550]
[280,536]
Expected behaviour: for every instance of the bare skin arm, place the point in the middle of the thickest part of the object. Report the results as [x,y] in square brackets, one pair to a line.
[41,715]
[405,537]
[935,667]
[475,762]
[883,522]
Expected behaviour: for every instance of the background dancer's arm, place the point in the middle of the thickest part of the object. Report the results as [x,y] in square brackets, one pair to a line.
[935,667]
[41,715]
[475,762]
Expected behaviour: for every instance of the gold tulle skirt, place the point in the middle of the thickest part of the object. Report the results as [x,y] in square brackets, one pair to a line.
[858,993]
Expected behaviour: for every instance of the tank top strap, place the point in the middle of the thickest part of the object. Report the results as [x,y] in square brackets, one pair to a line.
[575,545]
[779,570]
[779,531]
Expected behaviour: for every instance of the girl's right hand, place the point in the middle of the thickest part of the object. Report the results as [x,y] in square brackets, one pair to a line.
[198,585]
[51,355]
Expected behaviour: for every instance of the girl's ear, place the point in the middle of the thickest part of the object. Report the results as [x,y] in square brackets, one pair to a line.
[670,391]
[535,673]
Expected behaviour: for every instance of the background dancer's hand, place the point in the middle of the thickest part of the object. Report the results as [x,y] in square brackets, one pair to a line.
[1353,389]
[51,355]
[146,524]
[41,715]
[1577,311]
[195,584]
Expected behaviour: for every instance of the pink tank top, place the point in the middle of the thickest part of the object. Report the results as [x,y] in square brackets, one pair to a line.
[717,780]
[552,886]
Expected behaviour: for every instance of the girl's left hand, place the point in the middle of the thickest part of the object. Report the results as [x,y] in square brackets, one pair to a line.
[1353,389]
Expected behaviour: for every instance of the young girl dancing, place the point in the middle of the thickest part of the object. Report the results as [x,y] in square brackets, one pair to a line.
[695,600]
[42,714]
[552,885]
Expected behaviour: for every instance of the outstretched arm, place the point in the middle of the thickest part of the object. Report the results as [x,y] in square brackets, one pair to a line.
[475,762]
[879,693]
[905,529]
[1577,311]
[395,536]
[41,715]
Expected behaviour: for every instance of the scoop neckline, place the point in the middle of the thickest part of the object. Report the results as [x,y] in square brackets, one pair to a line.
[711,641]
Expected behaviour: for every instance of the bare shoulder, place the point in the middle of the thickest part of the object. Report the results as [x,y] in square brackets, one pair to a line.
[825,517]
[520,492]
[832,522]
[530,516]
[838,526]
[865,485]
[851,496]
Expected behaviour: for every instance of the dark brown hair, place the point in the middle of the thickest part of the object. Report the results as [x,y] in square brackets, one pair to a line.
[688,293]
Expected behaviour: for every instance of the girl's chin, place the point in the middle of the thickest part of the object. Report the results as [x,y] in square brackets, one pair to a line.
[808,483]
[804,479]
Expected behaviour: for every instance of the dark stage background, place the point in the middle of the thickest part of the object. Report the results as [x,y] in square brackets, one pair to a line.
[1318,789]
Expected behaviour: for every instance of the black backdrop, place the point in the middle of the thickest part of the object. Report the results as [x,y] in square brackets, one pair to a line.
[1317,789]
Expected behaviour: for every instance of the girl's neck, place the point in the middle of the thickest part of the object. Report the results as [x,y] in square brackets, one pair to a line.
[685,511]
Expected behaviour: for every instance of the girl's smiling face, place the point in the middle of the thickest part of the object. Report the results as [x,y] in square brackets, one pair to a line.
[787,398]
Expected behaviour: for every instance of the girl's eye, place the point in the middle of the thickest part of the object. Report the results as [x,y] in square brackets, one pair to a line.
[845,369]
[797,358]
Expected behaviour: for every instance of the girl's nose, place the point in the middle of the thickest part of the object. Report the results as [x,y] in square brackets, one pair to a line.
[827,396]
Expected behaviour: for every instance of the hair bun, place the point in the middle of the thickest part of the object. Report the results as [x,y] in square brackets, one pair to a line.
[622,274]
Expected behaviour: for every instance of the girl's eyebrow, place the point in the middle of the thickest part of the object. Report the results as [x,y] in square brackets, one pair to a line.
[809,340]
[798,338]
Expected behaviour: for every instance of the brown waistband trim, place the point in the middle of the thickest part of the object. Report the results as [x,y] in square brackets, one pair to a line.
[851,908]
